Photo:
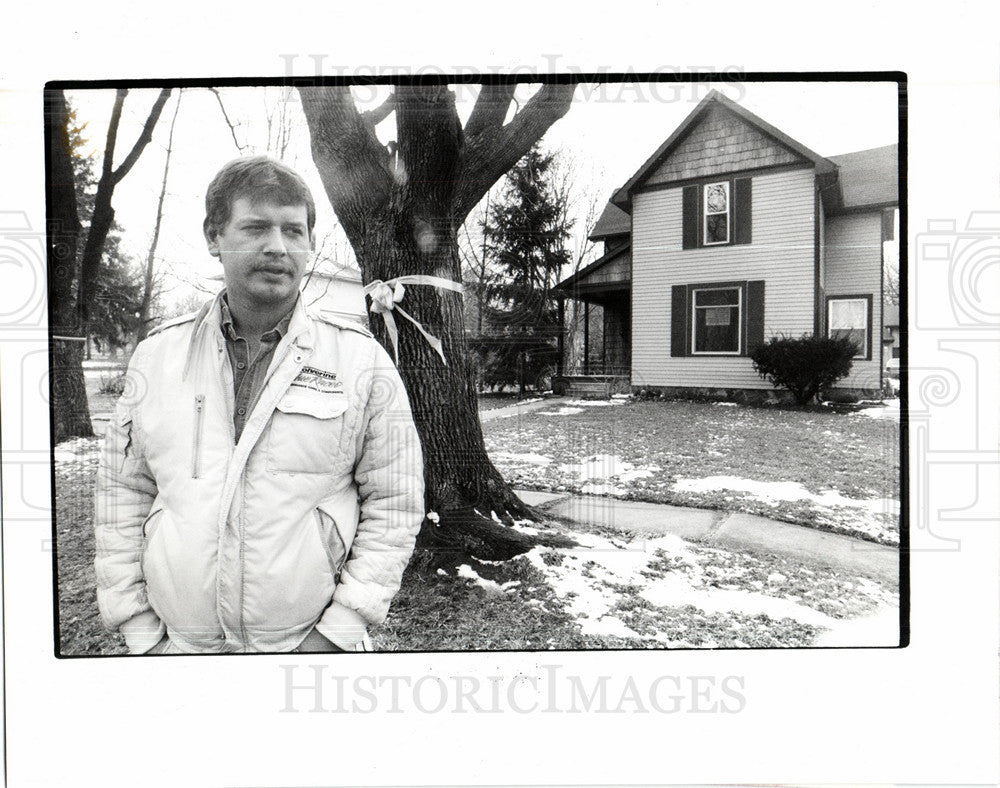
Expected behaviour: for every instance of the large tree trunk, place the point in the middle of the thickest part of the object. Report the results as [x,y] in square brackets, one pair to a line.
[67,392]
[401,216]
[462,484]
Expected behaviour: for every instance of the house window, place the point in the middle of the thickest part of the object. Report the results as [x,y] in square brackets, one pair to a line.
[851,318]
[717,213]
[716,320]
[716,222]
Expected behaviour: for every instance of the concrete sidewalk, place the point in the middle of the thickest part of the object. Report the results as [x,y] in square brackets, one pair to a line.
[520,409]
[732,530]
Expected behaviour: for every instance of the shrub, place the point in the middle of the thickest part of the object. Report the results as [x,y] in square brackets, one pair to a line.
[805,366]
[112,384]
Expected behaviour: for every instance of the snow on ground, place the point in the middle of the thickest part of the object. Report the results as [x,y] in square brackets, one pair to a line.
[664,591]
[574,406]
[889,409]
[881,628]
[606,474]
[876,518]
[508,458]
[469,573]
[607,467]
[773,492]
[77,450]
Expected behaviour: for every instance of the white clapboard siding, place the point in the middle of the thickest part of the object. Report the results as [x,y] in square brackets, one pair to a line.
[854,267]
[781,253]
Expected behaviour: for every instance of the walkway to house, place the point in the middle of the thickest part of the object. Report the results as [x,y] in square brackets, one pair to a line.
[732,530]
[520,408]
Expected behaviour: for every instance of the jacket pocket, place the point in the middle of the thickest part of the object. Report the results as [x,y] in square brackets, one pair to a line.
[149,529]
[306,432]
[333,544]
[148,525]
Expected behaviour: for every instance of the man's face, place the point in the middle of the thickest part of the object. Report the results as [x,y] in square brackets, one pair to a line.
[264,249]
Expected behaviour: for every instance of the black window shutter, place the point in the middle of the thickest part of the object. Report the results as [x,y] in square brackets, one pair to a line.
[742,210]
[691,216]
[755,315]
[678,320]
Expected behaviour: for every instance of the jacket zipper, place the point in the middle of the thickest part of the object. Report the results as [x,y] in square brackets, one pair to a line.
[199,412]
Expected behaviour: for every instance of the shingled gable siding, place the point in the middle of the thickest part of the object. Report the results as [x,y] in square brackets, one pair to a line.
[617,270]
[781,254]
[853,265]
[721,142]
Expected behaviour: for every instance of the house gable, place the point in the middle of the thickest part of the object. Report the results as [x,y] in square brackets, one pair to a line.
[721,142]
[747,143]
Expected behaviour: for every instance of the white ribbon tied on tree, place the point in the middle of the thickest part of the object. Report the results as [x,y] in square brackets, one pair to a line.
[386,296]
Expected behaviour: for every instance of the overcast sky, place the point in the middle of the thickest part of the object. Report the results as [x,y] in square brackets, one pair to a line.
[610,131]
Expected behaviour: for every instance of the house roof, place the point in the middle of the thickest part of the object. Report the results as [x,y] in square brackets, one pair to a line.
[583,273]
[714,98]
[614,221]
[869,177]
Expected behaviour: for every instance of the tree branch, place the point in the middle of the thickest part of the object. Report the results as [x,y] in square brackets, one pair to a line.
[352,163]
[381,112]
[490,109]
[495,149]
[107,164]
[144,137]
[232,128]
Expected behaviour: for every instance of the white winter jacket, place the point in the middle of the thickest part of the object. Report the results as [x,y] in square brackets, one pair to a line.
[308,521]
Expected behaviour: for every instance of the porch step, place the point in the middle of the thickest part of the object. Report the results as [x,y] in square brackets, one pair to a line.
[590,386]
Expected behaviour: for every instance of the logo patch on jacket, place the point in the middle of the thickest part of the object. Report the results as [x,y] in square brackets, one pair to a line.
[318,380]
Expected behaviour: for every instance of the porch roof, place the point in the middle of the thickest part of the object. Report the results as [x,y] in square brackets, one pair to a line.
[596,278]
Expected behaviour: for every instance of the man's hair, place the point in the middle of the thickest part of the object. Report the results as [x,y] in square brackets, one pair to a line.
[257,178]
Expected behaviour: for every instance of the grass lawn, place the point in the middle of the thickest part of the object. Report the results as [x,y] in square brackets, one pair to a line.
[488,401]
[833,470]
[606,592]
[80,627]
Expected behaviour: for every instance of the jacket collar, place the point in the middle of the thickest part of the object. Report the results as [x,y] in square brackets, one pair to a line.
[208,323]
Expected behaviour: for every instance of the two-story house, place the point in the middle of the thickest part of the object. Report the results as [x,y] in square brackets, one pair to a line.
[732,233]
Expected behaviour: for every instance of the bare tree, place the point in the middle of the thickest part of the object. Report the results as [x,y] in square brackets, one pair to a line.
[147,292]
[71,288]
[401,207]
[242,148]
[477,269]
[575,200]
[104,214]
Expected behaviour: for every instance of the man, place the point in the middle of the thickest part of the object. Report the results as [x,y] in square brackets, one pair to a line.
[260,487]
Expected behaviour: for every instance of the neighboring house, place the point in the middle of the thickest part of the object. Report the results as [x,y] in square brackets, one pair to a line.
[339,294]
[890,333]
[732,233]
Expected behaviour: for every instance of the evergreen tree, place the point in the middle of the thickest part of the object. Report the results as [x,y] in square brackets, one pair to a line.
[526,234]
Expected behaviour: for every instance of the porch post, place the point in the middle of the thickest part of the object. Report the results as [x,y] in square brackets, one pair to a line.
[586,337]
[562,334]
